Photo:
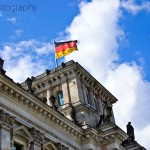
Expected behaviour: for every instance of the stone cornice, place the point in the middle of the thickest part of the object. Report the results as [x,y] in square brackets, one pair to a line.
[94,84]
[71,69]
[82,106]
[105,135]
[111,132]
[28,100]
[53,78]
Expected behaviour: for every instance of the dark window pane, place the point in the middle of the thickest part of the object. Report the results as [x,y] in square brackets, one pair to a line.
[17,147]
[60,98]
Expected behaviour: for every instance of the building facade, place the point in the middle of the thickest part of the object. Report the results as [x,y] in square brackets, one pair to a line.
[65,108]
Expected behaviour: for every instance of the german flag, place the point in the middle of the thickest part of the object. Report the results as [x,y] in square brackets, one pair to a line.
[65,48]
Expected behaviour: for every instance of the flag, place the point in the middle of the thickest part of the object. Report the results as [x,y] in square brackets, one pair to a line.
[65,48]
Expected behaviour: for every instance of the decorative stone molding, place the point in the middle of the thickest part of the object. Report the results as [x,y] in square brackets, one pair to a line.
[61,147]
[36,107]
[37,136]
[50,144]
[6,120]
[22,129]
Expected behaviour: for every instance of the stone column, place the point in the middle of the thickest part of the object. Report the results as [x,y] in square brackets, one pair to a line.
[48,96]
[68,89]
[6,128]
[91,97]
[80,90]
[66,92]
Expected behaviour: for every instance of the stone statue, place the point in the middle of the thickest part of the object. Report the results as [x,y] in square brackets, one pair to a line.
[73,115]
[53,101]
[2,71]
[130,132]
[29,85]
[44,100]
[107,112]
[101,119]
[63,64]
[1,63]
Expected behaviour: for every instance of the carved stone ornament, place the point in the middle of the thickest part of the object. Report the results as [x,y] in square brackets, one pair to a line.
[38,137]
[107,113]
[59,146]
[6,120]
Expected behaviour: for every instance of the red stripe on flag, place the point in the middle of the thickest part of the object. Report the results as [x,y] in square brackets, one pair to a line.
[65,46]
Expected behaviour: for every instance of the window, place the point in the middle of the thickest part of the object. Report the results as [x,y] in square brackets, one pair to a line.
[17,147]
[60,98]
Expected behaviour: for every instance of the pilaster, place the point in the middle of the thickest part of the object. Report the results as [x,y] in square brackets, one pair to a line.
[66,93]
[6,126]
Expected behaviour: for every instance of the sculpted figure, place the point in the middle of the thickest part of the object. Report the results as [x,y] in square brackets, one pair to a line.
[130,132]
[107,112]
[2,71]
[29,85]
[1,63]
[53,101]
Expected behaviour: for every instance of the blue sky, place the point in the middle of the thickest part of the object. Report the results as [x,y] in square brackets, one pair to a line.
[137,29]
[113,46]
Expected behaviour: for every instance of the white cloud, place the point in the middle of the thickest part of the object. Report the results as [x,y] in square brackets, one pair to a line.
[44,49]
[134,8]
[23,58]
[13,20]
[24,67]
[91,30]
[97,29]
[127,84]
[143,136]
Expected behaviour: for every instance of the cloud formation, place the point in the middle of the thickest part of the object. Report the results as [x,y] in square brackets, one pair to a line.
[13,20]
[131,6]
[97,29]
[23,58]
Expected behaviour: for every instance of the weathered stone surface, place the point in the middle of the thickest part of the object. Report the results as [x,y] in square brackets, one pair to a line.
[74,125]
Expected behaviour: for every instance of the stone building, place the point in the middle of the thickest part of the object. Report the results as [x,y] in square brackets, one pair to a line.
[65,108]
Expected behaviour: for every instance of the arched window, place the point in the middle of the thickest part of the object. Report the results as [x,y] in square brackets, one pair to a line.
[60,98]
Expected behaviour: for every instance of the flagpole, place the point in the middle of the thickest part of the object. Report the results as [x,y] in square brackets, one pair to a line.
[56,61]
